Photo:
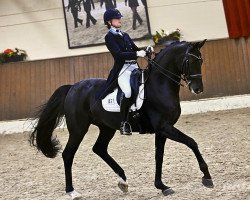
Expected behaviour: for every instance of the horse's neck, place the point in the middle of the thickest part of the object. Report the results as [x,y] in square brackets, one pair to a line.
[166,83]
[162,83]
[166,71]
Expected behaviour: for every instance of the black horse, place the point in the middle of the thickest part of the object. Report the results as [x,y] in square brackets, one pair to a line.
[160,111]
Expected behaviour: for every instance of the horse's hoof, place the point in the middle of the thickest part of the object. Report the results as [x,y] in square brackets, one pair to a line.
[207,183]
[123,186]
[167,192]
[74,195]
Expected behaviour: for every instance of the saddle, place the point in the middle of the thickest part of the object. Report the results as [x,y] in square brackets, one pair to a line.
[111,102]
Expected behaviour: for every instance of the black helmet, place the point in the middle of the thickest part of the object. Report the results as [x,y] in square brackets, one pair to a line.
[111,14]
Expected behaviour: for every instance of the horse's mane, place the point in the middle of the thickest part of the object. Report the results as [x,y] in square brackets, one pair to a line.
[169,47]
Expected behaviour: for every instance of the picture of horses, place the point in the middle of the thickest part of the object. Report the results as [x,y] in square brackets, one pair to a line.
[85,25]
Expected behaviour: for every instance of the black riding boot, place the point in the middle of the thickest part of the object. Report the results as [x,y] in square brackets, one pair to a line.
[125,126]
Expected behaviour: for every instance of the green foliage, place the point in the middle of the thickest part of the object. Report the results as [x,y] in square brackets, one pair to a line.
[162,36]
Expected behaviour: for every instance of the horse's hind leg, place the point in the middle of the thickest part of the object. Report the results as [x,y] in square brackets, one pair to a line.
[176,135]
[76,134]
[100,148]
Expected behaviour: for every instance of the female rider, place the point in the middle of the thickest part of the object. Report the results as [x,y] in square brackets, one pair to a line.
[125,53]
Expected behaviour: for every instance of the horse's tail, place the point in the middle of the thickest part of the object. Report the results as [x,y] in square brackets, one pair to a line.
[49,116]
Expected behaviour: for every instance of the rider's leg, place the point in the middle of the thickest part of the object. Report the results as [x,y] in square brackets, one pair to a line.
[125,126]
[124,83]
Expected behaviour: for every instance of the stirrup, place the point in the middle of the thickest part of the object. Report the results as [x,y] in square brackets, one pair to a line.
[125,128]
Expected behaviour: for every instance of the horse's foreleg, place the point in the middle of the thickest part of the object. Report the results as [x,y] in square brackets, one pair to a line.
[100,148]
[159,153]
[176,135]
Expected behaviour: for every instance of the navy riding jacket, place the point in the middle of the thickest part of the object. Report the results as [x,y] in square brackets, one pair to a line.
[122,48]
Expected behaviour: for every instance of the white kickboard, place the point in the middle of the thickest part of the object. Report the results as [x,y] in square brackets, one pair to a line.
[110,104]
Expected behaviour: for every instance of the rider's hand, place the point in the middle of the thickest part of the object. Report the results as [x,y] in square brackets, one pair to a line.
[150,49]
[141,53]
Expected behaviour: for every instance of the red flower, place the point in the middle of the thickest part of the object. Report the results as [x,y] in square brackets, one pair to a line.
[8,51]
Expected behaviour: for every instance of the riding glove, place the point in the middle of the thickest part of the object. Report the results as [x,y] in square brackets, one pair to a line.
[141,53]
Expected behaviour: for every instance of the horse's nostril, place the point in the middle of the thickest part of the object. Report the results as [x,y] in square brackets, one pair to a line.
[198,91]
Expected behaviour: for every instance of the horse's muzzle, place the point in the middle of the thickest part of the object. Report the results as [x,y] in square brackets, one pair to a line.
[198,90]
[196,87]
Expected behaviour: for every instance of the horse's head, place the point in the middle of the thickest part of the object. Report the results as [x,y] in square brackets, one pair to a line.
[181,60]
[191,67]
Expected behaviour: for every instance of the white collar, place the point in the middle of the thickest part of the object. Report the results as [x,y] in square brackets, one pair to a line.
[115,31]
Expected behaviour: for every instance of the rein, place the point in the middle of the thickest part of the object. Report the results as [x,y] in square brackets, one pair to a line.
[159,68]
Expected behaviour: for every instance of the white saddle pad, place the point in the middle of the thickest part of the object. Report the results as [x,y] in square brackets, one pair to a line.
[110,104]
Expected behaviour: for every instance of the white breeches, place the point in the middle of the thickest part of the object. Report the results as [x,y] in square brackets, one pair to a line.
[124,78]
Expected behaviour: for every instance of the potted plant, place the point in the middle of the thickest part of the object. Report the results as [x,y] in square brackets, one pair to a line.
[10,55]
[161,37]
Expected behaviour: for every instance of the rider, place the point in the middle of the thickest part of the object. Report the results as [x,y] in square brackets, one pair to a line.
[125,53]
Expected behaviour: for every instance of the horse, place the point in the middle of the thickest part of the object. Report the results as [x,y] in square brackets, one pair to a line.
[158,114]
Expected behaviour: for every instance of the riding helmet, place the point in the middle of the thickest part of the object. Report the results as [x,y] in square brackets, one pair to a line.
[111,14]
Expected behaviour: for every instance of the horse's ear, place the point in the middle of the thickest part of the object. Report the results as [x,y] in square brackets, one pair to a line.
[198,45]
[202,43]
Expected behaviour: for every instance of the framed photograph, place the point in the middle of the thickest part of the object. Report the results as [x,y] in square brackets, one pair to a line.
[85,25]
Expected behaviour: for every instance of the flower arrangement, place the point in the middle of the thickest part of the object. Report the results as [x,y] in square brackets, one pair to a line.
[161,37]
[10,55]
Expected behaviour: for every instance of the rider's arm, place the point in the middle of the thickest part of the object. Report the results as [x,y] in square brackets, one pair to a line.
[115,50]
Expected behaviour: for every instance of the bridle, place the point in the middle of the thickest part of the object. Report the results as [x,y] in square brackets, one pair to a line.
[185,71]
